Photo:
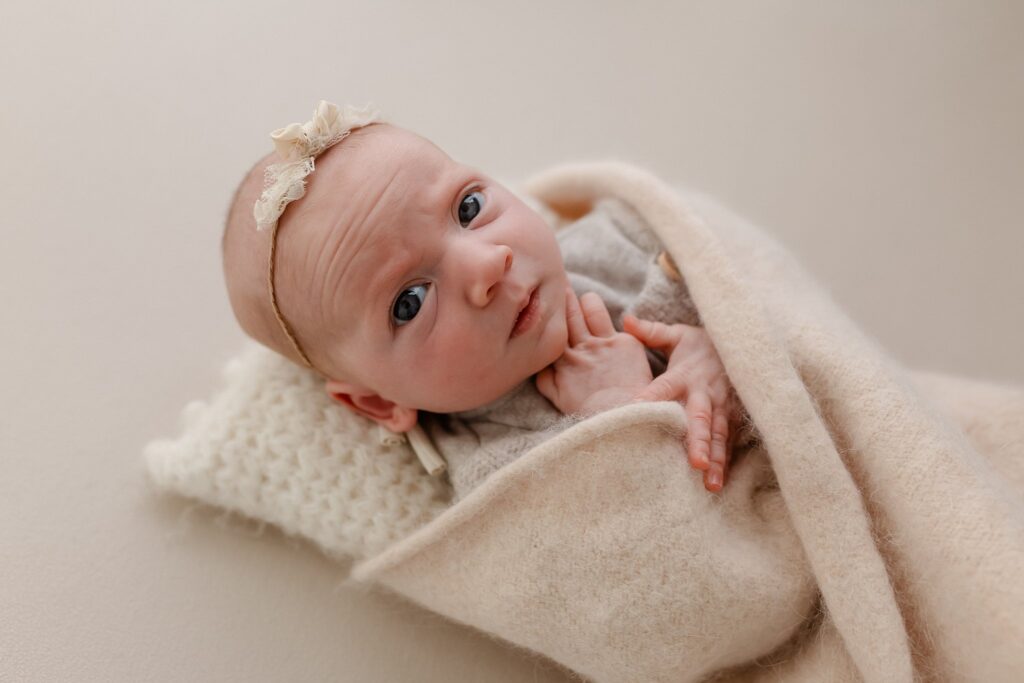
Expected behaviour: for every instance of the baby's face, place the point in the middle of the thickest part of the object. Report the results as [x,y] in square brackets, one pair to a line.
[421,267]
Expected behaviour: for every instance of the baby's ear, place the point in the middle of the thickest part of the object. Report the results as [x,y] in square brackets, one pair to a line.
[365,402]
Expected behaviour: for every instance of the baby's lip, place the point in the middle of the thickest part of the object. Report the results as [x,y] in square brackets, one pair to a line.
[523,303]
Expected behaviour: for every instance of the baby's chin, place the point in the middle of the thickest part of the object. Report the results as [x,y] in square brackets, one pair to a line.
[480,398]
[554,343]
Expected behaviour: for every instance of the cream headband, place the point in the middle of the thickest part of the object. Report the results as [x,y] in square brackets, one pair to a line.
[285,182]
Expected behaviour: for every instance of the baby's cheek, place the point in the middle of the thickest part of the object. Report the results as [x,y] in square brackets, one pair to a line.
[456,357]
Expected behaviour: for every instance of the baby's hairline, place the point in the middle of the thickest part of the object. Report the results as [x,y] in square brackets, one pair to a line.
[250,303]
[268,159]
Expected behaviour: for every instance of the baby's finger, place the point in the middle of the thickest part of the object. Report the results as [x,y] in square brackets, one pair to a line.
[714,477]
[728,451]
[663,388]
[599,321]
[653,334]
[574,318]
[698,431]
[545,381]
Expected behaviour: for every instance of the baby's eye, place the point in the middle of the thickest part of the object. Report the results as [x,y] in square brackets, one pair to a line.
[470,207]
[408,303]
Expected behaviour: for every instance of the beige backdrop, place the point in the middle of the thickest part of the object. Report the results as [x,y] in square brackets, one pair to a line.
[882,141]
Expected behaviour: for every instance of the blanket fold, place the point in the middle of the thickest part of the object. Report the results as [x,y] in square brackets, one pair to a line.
[619,572]
[895,499]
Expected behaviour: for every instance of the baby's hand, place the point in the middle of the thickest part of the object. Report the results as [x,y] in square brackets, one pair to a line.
[696,377]
[601,369]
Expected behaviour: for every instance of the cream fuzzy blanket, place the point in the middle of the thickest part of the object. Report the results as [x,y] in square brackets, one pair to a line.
[877,535]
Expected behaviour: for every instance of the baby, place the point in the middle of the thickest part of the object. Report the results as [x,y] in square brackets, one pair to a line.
[417,287]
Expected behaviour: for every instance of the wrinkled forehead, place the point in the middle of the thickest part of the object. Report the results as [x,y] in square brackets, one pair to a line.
[376,161]
[363,196]
[376,175]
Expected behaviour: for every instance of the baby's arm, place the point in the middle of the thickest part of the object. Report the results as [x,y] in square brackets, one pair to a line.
[601,369]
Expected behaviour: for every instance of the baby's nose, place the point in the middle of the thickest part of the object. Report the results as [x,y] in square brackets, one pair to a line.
[491,271]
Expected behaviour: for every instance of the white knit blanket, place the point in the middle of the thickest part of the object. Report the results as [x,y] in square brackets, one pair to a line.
[878,535]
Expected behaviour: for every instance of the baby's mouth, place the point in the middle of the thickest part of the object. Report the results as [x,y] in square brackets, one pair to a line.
[526,315]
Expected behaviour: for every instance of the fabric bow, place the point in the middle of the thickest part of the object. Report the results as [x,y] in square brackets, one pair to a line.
[298,144]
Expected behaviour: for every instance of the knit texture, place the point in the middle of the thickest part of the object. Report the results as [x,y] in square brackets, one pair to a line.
[271,444]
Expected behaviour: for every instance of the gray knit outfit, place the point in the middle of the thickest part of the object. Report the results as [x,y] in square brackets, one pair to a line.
[610,251]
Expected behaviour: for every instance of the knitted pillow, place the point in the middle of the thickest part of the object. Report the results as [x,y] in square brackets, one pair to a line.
[273,446]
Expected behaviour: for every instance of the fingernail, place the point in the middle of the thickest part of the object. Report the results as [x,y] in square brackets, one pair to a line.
[715,479]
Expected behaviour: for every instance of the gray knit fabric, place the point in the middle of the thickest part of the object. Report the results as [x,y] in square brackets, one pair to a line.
[610,251]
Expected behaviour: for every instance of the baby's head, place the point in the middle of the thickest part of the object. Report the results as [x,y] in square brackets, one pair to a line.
[401,274]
